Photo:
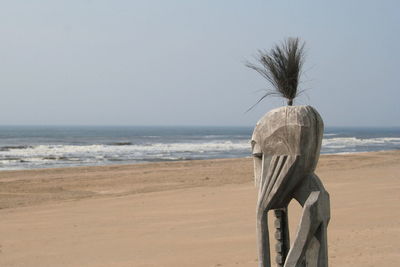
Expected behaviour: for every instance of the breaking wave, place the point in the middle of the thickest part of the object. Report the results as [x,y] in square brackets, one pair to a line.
[354,144]
[74,155]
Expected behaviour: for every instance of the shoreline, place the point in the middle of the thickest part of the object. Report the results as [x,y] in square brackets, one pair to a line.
[172,161]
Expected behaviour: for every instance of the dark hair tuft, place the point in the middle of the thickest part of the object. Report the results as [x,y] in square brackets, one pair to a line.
[281,66]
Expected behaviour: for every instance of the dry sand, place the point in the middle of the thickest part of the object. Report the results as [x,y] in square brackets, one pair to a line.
[193,213]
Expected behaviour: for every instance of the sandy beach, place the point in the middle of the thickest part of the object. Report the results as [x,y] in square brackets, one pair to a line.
[189,213]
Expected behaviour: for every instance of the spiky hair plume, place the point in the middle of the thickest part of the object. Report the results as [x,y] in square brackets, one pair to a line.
[281,67]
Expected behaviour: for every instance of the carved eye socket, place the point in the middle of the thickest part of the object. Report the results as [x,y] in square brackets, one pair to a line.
[257,155]
[256,149]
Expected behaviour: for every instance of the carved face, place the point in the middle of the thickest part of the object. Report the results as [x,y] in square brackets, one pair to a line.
[294,131]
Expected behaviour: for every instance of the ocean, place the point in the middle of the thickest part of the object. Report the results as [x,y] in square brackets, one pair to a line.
[32,147]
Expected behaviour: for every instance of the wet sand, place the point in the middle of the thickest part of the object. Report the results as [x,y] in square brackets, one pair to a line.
[192,213]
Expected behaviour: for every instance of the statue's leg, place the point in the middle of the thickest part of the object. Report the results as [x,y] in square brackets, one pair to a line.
[263,239]
[281,235]
[311,234]
[322,237]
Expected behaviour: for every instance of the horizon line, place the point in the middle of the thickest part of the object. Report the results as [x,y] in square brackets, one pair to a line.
[176,125]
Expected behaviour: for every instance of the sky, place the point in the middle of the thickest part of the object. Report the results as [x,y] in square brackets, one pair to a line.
[182,62]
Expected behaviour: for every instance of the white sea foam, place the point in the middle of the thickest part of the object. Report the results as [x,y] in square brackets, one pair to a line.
[224,145]
[99,152]
[340,145]
[353,141]
[66,154]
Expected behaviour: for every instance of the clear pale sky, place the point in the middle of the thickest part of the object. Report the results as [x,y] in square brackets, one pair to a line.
[181,62]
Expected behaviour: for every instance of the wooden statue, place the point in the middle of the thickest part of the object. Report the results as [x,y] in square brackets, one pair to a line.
[286,145]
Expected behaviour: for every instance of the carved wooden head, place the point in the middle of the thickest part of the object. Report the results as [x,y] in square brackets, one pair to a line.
[290,131]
